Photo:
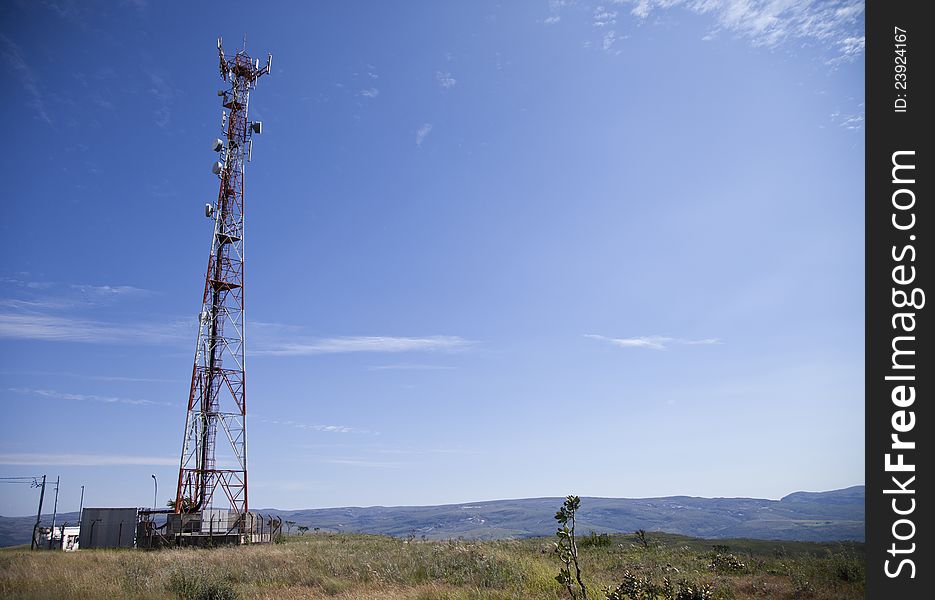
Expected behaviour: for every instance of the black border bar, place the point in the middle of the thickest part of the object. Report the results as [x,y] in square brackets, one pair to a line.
[900,373]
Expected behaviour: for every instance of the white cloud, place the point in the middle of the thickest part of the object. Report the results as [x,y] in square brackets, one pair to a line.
[87,397]
[609,38]
[603,17]
[84,460]
[23,280]
[445,80]
[164,94]
[90,377]
[654,342]
[850,48]
[308,426]
[42,313]
[36,304]
[110,291]
[410,367]
[344,345]
[422,132]
[369,92]
[852,45]
[837,24]
[52,328]
[363,463]
[555,7]
[854,121]
[118,378]
[38,296]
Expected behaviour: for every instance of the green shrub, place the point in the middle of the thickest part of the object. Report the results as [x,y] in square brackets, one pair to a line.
[726,563]
[633,588]
[643,588]
[846,567]
[700,591]
[595,540]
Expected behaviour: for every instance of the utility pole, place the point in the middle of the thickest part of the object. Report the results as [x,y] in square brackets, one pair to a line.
[155,490]
[54,511]
[80,506]
[35,528]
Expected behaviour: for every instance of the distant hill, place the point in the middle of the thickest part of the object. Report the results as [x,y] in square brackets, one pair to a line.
[801,516]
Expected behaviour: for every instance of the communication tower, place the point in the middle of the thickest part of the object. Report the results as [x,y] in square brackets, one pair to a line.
[213,466]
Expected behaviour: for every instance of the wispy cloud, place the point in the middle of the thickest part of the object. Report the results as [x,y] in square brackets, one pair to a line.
[424,451]
[445,80]
[85,460]
[369,92]
[603,17]
[140,5]
[422,132]
[20,282]
[109,291]
[36,304]
[86,397]
[850,48]
[853,121]
[164,94]
[555,7]
[119,378]
[769,23]
[343,345]
[14,59]
[309,426]
[351,462]
[57,295]
[410,367]
[45,310]
[100,101]
[54,328]
[90,377]
[654,342]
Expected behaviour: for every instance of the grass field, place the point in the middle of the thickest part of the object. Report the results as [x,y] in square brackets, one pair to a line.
[351,567]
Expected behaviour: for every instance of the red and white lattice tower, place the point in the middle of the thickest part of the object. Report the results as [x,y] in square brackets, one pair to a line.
[213,467]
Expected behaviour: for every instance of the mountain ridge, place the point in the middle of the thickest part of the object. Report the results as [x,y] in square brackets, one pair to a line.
[835,515]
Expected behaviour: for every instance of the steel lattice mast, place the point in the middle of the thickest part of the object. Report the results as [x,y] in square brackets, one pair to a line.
[217,405]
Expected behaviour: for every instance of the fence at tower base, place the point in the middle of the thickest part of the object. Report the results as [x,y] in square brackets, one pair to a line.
[212,527]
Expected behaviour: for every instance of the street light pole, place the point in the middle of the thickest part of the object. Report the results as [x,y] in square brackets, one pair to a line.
[58,480]
[155,491]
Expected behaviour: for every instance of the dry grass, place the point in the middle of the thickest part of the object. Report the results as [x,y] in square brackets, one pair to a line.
[352,567]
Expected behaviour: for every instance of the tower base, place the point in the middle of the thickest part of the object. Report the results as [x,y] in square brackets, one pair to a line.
[212,527]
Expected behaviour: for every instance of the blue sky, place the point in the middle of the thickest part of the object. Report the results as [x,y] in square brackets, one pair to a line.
[493,250]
